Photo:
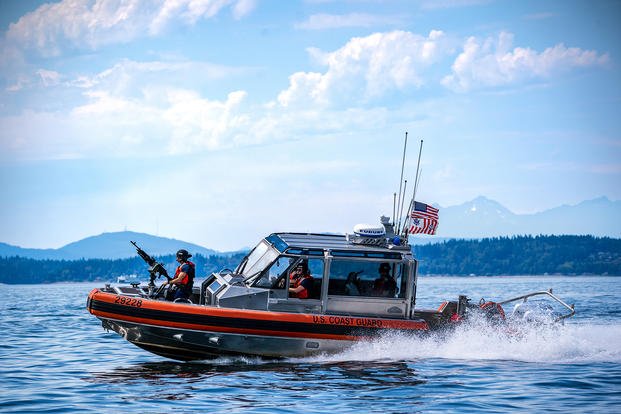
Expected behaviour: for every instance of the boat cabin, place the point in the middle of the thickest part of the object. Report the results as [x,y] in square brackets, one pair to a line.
[345,271]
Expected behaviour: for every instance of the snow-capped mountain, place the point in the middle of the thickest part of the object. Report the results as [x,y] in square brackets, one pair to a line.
[483,217]
[477,218]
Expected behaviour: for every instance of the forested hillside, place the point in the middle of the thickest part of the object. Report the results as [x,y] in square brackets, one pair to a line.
[22,270]
[524,255]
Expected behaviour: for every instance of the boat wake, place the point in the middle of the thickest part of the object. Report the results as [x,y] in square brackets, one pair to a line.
[478,340]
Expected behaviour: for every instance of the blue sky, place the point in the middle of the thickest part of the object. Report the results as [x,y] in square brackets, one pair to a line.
[220,121]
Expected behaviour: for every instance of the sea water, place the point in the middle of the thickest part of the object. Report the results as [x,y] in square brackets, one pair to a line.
[55,357]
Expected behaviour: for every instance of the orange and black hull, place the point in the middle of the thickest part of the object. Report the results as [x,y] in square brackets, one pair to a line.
[187,332]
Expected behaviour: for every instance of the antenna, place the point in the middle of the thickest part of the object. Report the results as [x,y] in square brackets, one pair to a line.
[394,208]
[411,209]
[401,179]
[402,202]
[418,172]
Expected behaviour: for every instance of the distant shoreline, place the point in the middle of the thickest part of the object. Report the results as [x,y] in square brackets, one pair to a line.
[102,282]
[567,256]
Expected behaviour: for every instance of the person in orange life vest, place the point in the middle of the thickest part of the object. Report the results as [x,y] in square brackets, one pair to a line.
[184,275]
[300,281]
[384,285]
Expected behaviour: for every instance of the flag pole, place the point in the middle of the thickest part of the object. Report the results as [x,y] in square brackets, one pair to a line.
[417,177]
[398,222]
[394,208]
[405,186]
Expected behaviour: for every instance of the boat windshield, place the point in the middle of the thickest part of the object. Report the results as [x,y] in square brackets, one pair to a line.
[373,279]
[258,259]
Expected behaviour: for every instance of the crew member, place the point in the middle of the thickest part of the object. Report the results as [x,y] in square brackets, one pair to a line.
[184,276]
[300,281]
[385,284]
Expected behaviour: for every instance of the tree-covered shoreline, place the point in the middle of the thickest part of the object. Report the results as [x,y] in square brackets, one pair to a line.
[518,255]
[20,270]
[522,255]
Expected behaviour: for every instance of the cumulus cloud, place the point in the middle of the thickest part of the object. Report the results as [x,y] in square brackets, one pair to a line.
[196,122]
[493,62]
[120,127]
[155,107]
[90,24]
[183,122]
[366,67]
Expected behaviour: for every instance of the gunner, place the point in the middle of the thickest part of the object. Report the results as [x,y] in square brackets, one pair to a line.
[184,276]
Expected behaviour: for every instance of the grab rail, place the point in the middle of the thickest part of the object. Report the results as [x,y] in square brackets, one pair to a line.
[550,294]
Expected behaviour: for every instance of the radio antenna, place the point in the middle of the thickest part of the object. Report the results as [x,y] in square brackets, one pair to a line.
[394,208]
[401,179]
[405,186]
[407,220]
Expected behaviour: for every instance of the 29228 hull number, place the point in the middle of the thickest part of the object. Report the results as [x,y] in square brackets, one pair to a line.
[122,300]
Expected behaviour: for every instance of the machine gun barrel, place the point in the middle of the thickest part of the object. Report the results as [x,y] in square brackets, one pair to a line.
[156,269]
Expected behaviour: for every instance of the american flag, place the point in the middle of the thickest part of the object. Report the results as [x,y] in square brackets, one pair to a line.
[424,219]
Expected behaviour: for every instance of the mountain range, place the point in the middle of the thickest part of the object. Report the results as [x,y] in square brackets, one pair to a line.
[474,219]
[483,217]
[108,246]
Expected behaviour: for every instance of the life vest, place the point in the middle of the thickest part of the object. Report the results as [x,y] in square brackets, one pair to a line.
[188,281]
[302,294]
[384,286]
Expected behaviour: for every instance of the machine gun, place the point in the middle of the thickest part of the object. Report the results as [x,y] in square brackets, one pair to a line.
[155,269]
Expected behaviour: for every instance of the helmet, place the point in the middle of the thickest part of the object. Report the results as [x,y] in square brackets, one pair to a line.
[183,254]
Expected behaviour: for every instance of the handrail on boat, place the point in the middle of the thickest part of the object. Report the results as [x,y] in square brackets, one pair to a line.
[550,294]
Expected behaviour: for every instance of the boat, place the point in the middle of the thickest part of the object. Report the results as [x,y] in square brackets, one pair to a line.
[127,279]
[249,311]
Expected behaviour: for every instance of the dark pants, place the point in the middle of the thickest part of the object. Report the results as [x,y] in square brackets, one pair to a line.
[182,293]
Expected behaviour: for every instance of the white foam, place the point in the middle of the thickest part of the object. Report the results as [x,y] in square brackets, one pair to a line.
[480,341]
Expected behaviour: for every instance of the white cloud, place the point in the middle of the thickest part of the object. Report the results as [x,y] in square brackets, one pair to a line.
[88,24]
[335,21]
[130,77]
[154,107]
[200,123]
[49,77]
[176,121]
[366,67]
[190,11]
[493,62]
[184,122]
[243,8]
[20,83]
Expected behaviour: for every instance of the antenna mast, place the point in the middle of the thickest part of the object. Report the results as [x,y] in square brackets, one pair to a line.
[398,222]
[417,177]
[394,208]
[405,186]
